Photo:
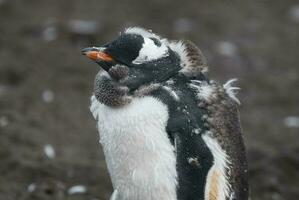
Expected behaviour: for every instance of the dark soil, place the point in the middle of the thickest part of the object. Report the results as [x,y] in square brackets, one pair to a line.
[45,86]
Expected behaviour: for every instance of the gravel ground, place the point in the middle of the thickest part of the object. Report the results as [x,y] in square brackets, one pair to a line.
[48,139]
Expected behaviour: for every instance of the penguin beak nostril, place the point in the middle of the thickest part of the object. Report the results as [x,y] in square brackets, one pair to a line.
[96,54]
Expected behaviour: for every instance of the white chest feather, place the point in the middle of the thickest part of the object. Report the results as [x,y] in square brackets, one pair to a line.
[139,155]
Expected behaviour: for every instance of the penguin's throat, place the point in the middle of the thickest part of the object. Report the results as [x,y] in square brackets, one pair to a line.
[118,72]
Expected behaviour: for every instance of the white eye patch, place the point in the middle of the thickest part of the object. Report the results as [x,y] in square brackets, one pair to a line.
[150,51]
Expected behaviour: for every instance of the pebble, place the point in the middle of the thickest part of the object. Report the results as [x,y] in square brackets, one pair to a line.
[226,48]
[31,187]
[3,121]
[49,151]
[48,96]
[291,121]
[294,13]
[77,189]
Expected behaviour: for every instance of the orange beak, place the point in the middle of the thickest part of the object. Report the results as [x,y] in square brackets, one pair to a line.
[96,55]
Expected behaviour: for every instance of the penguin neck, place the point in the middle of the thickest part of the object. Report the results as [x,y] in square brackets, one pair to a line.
[178,78]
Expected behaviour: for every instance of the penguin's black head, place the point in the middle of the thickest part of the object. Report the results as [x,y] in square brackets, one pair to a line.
[147,57]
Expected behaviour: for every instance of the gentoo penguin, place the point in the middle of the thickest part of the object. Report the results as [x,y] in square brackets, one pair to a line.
[167,131]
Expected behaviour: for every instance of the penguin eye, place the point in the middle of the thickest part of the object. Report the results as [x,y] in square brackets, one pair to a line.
[156,41]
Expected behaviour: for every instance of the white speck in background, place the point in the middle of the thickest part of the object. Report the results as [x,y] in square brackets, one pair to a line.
[77,189]
[48,96]
[49,151]
[183,25]
[3,121]
[83,27]
[50,33]
[291,121]
[226,48]
[294,13]
[2,88]
[31,187]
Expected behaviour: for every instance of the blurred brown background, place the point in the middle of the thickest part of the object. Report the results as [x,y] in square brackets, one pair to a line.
[48,138]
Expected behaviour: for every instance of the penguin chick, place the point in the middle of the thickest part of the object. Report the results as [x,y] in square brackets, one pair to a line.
[167,131]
